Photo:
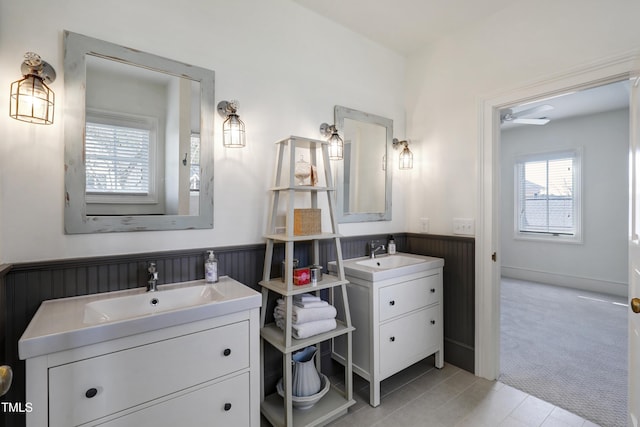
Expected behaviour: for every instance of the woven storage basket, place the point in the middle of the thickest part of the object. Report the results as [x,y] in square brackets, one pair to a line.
[306,222]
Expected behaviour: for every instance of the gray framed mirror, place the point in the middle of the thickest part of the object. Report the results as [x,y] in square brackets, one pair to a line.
[138,132]
[363,177]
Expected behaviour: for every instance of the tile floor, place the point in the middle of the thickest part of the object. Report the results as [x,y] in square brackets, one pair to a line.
[424,396]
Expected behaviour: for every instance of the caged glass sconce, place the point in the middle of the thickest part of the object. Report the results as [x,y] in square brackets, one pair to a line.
[233,135]
[31,100]
[336,144]
[406,156]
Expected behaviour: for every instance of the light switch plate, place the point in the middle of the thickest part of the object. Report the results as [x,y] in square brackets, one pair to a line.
[424,225]
[464,226]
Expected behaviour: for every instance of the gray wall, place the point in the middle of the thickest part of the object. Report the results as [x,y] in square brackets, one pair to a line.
[600,262]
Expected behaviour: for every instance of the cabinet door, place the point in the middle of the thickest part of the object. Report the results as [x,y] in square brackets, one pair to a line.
[93,388]
[396,300]
[408,339]
[222,404]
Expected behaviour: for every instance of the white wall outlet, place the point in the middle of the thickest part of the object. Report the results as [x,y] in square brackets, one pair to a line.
[464,226]
[424,225]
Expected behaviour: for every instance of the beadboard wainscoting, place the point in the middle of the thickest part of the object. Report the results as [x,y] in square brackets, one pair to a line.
[24,286]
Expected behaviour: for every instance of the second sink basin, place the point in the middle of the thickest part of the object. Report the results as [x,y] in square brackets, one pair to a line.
[130,306]
[387,266]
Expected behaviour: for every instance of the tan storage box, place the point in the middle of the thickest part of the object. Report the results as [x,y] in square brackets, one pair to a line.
[306,222]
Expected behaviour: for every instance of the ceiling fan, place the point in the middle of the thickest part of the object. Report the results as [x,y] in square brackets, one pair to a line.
[528,116]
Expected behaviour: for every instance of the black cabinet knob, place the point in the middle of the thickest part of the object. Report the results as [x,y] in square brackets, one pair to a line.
[227,406]
[392,302]
[227,351]
[91,393]
[392,339]
[433,290]
[433,322]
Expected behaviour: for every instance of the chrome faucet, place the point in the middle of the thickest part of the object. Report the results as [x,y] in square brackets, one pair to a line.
[374,247]
[152,283]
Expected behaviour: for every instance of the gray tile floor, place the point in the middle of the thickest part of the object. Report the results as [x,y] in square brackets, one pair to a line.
[424,396]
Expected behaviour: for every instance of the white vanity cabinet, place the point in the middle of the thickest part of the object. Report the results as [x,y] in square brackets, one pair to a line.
[203,373]
[398,322]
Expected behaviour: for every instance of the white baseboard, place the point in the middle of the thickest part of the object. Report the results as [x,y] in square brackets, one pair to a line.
[584,283]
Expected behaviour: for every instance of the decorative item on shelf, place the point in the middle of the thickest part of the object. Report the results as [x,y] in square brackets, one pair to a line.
[31,100]
[308,401]
[301,276]
[316,274]
[307,222]
[233,134]
[336,144]
[302,170]
[284,267]
[306,380]
[406,156]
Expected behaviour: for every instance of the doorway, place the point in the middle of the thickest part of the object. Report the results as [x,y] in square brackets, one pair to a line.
[564,250]
[488,248]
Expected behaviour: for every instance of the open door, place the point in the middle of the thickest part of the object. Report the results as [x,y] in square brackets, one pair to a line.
[634,256]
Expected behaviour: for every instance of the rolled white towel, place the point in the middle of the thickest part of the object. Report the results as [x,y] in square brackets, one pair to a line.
[303,315]
[306,298]
[310,304]
[309,329]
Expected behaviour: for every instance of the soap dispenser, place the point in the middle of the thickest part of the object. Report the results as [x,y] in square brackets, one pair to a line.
[391,245]
[211,268]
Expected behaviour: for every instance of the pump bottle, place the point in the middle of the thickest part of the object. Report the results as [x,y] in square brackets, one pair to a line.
[211,268]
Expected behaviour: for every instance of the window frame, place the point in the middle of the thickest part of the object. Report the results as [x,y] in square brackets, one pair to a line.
[576,154]
[135,121]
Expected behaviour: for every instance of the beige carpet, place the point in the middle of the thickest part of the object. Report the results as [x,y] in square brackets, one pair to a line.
[567,347]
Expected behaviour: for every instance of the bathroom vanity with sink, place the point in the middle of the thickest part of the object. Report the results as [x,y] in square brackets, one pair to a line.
[192,359]
[397,315]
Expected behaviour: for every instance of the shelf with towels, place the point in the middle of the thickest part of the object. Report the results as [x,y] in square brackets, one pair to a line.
[280,334]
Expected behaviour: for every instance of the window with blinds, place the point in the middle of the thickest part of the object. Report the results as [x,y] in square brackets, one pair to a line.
[119,158]
[548,199]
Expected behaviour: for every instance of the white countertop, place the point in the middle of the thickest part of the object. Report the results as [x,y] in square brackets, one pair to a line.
[59,324]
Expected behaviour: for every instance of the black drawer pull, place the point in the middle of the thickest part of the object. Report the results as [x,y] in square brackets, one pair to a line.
[392,302]
[227,406]
[91,393]
[227,351]
[433,290]
[392,339]
[433,322]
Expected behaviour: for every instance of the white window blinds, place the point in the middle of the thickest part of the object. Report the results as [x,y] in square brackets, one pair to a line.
[547,194]
[117,159]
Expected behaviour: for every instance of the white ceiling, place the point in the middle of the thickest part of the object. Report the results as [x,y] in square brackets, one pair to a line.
[405,25]
[408,25]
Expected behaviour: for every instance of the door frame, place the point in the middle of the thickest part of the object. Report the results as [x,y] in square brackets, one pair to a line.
[487,275]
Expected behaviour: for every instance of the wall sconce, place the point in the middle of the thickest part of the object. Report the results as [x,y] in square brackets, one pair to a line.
[406,156]
[31,99]
[233,135]
[336,144]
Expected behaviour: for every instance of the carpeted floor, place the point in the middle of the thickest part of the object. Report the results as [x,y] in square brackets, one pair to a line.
[567,347]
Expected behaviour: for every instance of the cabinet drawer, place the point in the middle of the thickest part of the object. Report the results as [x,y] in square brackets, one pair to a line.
[404,297]
[92,388]
[222,404]
[408,339]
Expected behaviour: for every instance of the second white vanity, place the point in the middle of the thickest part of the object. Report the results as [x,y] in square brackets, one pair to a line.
[397,312]
[185,355]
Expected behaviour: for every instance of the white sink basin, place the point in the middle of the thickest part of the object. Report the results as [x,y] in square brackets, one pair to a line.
[387,266]
[127,307]
[67,323]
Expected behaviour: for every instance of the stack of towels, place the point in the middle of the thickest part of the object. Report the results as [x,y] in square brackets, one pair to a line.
[310,316]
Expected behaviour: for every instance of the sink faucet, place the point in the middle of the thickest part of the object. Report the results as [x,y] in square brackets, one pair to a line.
[374,247]
[152,283]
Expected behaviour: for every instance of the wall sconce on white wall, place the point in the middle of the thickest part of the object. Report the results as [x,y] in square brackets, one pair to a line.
[336,144]
[31,100]
[406,156]
[233,135]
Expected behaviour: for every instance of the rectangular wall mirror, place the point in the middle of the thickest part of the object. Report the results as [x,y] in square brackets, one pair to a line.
[363,177]
[138,132]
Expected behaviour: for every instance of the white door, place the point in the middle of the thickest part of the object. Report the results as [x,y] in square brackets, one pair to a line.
[634,258]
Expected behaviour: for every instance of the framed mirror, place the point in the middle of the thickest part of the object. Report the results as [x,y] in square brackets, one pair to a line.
[138,131]
[363,177]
